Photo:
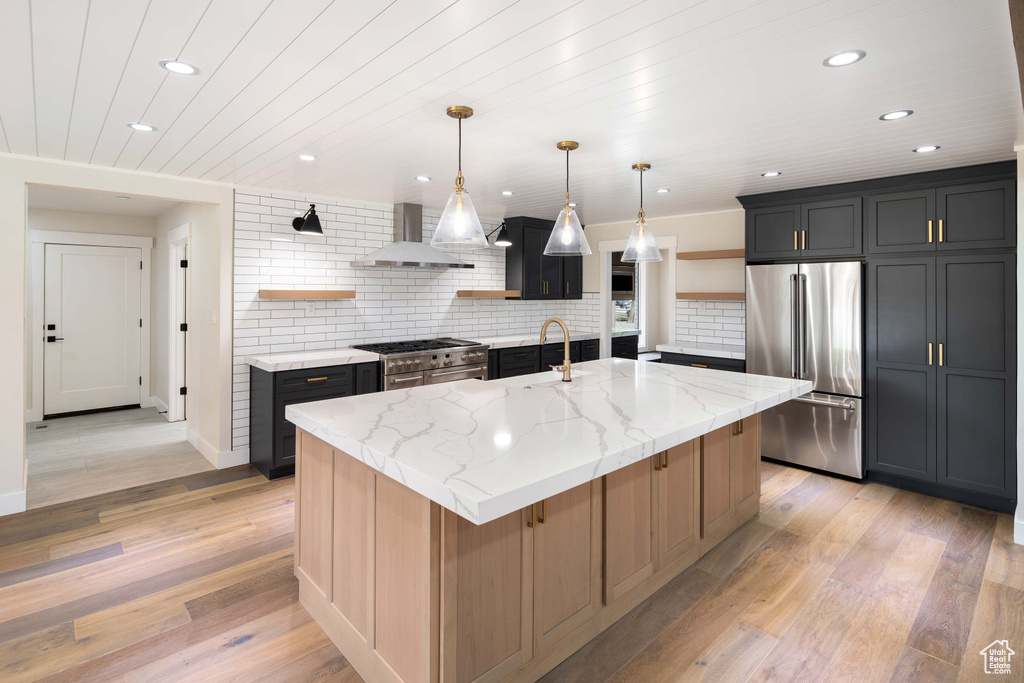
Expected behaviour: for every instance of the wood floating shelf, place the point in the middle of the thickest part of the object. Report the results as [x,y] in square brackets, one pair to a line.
[712,296]
[488,293]
[296,294]
[714,254]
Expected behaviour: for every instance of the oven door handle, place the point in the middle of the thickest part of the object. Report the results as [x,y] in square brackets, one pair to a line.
[396,380]
[455,371]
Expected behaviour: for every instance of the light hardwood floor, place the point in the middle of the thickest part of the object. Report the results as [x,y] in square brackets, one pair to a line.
[191,579]
[75,457]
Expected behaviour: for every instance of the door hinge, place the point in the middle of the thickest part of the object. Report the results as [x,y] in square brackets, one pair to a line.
[184,263]
[183,327]
[140,322]
[140,381]
[183,391]
[140,265]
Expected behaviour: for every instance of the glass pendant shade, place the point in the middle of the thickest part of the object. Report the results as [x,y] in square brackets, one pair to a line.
[641,247]
[459,226]
[567,238]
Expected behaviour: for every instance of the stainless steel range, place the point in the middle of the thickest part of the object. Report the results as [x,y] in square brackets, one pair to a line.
[429,361]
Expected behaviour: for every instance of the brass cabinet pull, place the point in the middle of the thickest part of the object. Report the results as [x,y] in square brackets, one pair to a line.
[529,522]
[697,365]
[941,363]
[316,379]
[803,237]
[664,465]
[543,511]
[657,464]
[739,428]
[520,355]
[929,232]
[795,243]
[940,239]
[929,353]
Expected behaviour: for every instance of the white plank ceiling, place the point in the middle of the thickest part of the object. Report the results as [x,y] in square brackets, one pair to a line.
[711,93]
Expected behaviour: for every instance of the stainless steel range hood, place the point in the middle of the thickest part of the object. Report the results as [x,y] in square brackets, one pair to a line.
[408,250]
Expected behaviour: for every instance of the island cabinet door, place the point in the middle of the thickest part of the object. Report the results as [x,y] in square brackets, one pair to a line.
[486,599]
[628,524]
[717,506]
[566,563]
[678,499]
[746,465]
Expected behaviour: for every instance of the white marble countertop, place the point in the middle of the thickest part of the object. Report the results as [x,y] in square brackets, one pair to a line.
[713,350]
[554,337]
[297,360]
[485,449]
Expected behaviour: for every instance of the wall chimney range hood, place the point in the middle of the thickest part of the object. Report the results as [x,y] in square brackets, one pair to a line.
[409,250]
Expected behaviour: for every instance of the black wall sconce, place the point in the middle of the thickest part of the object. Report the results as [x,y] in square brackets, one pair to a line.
[309,223]
[503,238]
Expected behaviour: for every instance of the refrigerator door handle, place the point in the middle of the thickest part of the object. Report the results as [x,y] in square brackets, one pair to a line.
[794,300]
[847,404]
[802,322]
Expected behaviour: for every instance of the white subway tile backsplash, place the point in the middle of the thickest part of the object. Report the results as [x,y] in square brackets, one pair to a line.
[391,303]
[711,322]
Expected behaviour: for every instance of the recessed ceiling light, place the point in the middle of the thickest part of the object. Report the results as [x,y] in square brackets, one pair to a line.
[507,193]
[844,58]
[142,127]
[771,174]
[663,190]
[307,157]
[926,148]
[896,115]
[423,178]
[181,68]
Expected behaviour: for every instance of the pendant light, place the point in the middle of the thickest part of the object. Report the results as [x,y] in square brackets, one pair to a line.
[567,238]
[641,247]
[459,225]
[309,223]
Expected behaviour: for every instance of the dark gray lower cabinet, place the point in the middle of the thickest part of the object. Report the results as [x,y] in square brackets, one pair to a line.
[625,347]
[271,436]
[590,349]
[941,364]
[710,362]
[525,360]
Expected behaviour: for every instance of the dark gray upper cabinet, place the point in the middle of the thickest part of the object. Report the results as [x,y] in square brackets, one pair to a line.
[831,228]
[774,232]
[901,357]
[976,328]
[528,270]
[572,277]
[977,215]
[901,221]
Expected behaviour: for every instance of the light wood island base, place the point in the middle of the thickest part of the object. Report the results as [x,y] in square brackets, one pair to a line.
[410,591]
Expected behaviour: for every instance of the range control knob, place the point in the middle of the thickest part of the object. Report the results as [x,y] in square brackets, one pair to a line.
[447,361]
[433,362]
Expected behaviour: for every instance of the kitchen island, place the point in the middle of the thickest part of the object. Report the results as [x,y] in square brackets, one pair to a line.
[487,530]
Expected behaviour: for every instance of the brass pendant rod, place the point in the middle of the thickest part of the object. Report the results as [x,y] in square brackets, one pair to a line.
[567,177]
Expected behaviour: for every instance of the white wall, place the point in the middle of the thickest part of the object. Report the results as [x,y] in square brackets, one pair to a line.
[391,303]
[16,172]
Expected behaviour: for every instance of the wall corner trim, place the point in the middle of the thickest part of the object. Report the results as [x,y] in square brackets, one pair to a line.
[220,460]
[12,503]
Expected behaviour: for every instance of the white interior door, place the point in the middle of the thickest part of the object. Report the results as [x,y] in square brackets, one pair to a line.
[92,300]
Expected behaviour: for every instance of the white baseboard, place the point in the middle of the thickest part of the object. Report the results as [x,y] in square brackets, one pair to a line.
[12,503]
[217,459]
[33,416]
[160,406]
[1018,526]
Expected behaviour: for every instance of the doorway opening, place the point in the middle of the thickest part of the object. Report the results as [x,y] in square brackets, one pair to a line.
[107,348]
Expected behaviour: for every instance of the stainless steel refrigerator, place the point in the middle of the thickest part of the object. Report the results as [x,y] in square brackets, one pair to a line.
[806,321]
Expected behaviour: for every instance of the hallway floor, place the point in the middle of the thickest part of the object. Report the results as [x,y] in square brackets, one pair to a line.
[75,457]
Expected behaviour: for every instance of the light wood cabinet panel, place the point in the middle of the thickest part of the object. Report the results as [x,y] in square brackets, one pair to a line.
[717,506]
[316,498]
[407,567]
[746,454]
[563,564]
[353,538]
[486,598]
[678,502]
[628,513]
